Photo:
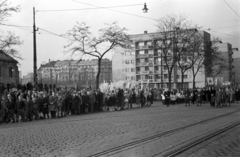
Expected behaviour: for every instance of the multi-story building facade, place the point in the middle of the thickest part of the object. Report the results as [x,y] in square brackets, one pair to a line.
[73,72]
[236,64]
[227,72]
[151,69]
[9,73]
[123,65]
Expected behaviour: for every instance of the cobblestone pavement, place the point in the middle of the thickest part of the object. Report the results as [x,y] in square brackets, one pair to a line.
[225,145]
[85,135]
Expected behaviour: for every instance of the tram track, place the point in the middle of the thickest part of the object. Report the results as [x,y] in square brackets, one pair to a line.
[136,143]
[201,140]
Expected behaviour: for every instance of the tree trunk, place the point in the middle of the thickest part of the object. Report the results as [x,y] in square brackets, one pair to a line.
[98,73]
[170,81]
[194,76]
[182,79]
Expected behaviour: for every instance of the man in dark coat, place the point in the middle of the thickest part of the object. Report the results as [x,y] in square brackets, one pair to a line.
[167,97]
[119,98]
[99,100]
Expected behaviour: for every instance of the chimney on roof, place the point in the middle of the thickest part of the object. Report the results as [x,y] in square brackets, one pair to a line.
[145,32]
[49,60]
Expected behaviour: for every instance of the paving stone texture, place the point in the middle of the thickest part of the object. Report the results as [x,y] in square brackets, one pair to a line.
[84,135]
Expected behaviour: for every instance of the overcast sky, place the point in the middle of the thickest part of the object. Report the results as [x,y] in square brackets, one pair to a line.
[213,14]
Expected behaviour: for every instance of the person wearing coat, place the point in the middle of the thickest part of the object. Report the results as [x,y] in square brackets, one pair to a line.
[91,101]
[45,105]
[237,95]
[79,105]
[187,94]
[28,108]
[219,95]
[35,107]
[167,97]
[53,105]
[138,99]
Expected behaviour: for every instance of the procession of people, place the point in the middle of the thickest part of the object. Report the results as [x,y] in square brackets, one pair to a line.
[26,104]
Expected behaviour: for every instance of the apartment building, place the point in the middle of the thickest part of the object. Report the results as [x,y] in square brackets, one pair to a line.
[228,72]
[151,68]
[123,65]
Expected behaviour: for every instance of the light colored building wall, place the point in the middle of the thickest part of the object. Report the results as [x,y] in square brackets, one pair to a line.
[123,65]
[148,63]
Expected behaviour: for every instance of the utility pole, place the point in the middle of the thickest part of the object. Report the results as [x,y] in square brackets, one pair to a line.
[161,67]
[34,51]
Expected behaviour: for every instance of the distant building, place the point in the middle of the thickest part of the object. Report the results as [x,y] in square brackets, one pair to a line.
[9,73]
[236,64]
[123,65]
[27,78]
[227,73]
[71,72]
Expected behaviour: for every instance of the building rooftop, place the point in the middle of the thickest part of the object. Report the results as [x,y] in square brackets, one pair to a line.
[5,57]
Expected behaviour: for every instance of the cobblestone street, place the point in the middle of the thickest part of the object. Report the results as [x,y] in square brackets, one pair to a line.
[86,135]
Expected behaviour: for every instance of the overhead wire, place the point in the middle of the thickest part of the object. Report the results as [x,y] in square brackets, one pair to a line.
[224,33]
[88,8]
[53,33]
[115,10]
[231,8]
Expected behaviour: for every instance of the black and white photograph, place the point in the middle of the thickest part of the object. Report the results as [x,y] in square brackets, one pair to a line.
[129,78]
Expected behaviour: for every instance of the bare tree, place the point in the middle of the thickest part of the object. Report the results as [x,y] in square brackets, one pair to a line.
[81,42]
[205,55]
[218,62]
[171,32]
[183,62]
[6,10]
[9,41]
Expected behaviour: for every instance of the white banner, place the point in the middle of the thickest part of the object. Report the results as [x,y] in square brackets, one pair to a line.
[210,81]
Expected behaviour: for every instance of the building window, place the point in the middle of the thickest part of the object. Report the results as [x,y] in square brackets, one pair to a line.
[141,44]
[127,62]
[10,72]
[141,52]
[149,43]
[132,69]
[165,76]
[185,76]
[132,61]
[132,77]
[127,70]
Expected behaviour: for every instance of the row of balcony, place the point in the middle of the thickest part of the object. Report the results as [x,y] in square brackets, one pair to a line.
[160,80]
[155,80]
[151,72]
[151,63]
[150,55]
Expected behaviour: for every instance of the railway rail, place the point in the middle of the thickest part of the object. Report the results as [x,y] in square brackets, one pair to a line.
[194,143]
[136,143]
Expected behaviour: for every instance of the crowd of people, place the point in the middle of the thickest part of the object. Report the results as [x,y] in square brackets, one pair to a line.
[26,104]
[217,97]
